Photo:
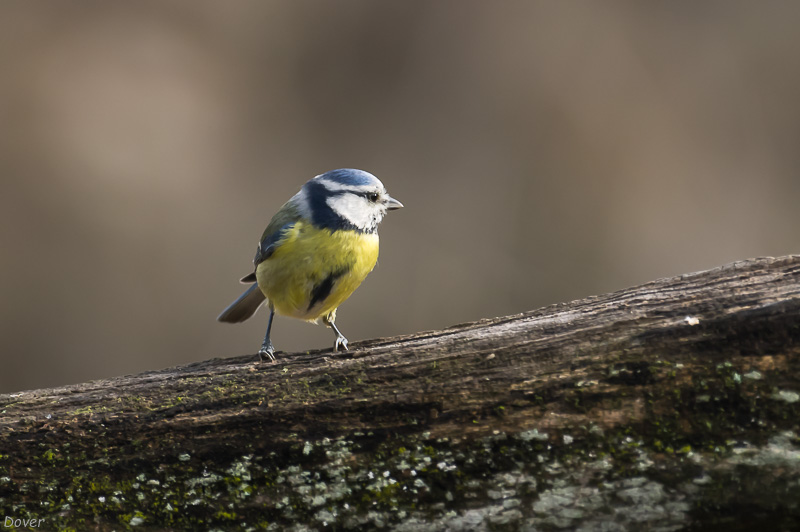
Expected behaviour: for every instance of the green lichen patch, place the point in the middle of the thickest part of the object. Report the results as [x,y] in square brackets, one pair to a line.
[550,480]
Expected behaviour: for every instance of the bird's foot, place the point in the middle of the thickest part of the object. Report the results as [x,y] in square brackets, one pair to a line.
[267,352]
[340,341]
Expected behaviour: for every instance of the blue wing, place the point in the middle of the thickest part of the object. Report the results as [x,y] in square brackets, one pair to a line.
[273,235]
[265,250]
[270,243]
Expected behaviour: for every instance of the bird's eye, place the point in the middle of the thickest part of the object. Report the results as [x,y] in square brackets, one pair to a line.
[373,196]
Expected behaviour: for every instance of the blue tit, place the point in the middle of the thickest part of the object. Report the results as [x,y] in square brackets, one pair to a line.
[315,252]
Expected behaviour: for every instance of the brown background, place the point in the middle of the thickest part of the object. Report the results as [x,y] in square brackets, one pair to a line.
[544,151]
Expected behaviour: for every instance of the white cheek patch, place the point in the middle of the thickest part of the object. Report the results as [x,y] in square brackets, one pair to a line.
[353,208]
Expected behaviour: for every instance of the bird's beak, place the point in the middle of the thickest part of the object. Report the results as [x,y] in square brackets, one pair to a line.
[392,204]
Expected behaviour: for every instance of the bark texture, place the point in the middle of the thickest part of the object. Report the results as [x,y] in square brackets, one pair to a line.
[668,406]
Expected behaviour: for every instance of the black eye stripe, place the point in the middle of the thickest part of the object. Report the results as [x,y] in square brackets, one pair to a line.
[367,194]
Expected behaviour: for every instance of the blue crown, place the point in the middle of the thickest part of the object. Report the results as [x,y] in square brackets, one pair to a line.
[351,176]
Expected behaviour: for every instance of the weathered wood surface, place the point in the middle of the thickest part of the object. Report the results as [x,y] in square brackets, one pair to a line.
[668,406]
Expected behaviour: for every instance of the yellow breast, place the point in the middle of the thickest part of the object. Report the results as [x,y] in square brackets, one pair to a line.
[314,270]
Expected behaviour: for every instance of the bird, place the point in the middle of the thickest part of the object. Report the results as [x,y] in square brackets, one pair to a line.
[317,249]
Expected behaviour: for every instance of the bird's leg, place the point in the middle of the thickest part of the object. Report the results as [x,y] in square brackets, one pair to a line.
[267,350]
[340,339]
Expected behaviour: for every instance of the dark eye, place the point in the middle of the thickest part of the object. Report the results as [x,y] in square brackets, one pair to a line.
[373,196]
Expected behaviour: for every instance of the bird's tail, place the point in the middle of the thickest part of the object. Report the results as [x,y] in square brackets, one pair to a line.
[245,306]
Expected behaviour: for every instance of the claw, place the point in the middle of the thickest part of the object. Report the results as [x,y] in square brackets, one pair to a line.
[340,341]
[267,351]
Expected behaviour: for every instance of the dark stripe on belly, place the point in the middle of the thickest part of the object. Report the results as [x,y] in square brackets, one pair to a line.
[323,289]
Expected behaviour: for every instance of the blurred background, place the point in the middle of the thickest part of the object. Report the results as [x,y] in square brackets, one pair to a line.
[545,151]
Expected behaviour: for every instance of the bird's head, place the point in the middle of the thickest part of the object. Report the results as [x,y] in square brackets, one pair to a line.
[346,199]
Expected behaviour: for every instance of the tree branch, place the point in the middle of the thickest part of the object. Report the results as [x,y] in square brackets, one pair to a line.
[666,406]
